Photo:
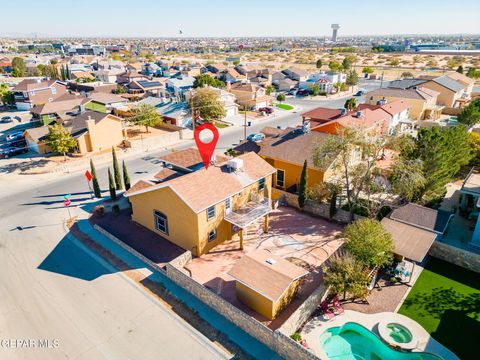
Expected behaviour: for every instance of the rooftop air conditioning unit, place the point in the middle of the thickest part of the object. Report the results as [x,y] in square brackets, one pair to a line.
[271,261]
[235,164]
[358,114]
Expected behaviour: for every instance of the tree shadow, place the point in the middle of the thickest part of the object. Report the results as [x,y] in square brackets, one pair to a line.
[24,166]
[458,332]
[441,300]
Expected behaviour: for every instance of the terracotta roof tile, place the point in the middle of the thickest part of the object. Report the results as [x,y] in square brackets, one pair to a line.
[139,185]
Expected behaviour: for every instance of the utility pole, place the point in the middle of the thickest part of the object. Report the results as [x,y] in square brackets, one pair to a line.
[381,81]
[192,110]
[245,123]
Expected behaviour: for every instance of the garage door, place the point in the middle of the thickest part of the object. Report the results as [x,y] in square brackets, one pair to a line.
[261,104]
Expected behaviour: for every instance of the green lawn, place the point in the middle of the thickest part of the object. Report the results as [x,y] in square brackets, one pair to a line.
[220,125]
[284,106]
[445,300]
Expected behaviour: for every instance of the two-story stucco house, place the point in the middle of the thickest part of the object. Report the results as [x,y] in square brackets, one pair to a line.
[31,92]
[249,96]
[197,208]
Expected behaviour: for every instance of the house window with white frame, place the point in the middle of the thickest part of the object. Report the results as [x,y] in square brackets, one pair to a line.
[280,178]
[161,222]
[212,235]
[261,184]
[228,205]
[211,212]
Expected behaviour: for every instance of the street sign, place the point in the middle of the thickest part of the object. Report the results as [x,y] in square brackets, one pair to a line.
[88,175]
[67,202]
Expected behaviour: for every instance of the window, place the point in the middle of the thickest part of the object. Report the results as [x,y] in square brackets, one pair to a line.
[261,184]
[212,235]
[280,178]
[211,212]
[161,222]
[228,205]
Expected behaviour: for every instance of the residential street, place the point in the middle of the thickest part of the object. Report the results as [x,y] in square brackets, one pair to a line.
[52,287]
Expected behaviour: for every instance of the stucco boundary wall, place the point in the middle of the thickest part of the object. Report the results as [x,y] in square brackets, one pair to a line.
[314,208]
[155,142]
[463,258]
[275,340]
[304,311]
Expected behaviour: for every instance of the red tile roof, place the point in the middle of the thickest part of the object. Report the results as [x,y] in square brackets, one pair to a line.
[322,114]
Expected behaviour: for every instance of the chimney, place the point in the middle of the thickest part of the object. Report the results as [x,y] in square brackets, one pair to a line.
[90,123]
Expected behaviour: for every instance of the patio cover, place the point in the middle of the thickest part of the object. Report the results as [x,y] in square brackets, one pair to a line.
[249,213]
[409,241]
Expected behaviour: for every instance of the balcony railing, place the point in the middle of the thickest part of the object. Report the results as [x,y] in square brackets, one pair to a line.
[249,213]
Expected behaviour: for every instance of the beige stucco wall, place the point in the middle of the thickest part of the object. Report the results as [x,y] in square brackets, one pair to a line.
[254,300]
[105,134]
[182,221]
[446,97]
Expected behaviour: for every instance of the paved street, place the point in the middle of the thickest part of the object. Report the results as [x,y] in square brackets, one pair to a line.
[54,288]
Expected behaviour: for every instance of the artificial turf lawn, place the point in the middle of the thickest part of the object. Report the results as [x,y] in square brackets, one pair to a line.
[284,106]
[445,300]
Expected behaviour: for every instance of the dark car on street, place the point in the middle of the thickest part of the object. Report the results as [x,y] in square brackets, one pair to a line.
[13,148]
[267,110]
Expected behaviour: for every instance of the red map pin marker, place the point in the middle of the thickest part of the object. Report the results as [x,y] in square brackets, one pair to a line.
[206,149]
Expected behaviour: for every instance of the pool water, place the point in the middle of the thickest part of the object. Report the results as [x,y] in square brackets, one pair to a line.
[399,333]
[352,341]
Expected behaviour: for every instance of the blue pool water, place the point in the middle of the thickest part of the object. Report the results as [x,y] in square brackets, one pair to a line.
[352,341]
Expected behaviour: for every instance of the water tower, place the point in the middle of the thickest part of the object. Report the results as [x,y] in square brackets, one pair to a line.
[335,28]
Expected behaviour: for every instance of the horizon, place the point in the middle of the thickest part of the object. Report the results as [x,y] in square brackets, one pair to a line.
[249,19]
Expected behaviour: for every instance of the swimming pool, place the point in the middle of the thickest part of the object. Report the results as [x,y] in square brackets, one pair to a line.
[352,341]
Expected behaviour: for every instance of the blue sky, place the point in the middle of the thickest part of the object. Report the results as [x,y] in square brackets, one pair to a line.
[238,18]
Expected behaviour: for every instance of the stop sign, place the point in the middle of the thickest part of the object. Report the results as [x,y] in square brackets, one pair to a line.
[66,202]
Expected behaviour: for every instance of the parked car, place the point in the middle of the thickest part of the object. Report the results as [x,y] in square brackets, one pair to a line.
[17,135]
[6,119]
[303,92]
[9,151]
[18,118]
[256,137]
[267,110]
[359,93]
[291,93]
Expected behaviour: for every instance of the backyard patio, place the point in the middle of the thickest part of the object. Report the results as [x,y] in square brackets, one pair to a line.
[298,237]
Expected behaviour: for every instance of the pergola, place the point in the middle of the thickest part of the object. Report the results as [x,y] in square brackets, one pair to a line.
[248,214]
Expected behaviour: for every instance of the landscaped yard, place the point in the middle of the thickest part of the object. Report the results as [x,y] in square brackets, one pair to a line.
[284,106]
[445,300]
